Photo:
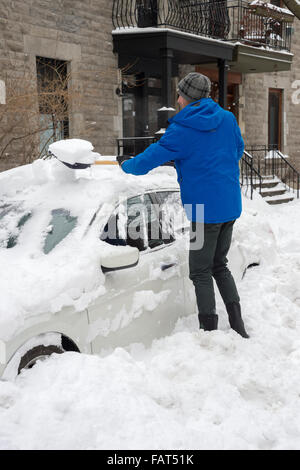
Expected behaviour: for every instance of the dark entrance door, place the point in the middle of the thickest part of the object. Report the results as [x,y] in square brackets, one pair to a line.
[140,104]
[275,118]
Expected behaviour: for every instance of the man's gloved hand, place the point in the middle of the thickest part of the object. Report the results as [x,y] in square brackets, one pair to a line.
[123,158]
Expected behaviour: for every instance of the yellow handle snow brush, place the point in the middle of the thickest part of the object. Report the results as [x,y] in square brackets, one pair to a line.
[106,162]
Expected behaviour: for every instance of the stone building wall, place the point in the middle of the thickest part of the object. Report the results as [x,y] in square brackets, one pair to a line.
[254,104]
[77,31]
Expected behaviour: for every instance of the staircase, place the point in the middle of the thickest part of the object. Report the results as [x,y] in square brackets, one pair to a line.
[273,190]
[267,171]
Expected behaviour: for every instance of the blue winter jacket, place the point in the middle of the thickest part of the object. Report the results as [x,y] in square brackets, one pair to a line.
[206,145]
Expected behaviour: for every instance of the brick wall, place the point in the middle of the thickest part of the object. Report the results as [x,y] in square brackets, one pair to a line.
[76,31]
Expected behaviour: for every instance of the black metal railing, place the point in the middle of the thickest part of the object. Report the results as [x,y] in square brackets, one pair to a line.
[131,146]
[291,176]
[229,20]
[254,29]
[134,145]
[250,178]
[267,160]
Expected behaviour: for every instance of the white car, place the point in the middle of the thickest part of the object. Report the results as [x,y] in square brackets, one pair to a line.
[74,274]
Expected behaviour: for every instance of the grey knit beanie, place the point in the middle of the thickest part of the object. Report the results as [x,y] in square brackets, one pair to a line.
[194,86]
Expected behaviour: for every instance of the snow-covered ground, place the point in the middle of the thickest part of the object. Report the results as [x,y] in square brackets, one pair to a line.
[191,390]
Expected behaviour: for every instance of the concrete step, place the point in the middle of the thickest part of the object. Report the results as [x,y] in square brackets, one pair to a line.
[266,182]
[272,191]
[270,177]
[280,199]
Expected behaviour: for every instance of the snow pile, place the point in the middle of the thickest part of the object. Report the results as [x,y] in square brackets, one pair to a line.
[191,390]
[74,151]
[270,7]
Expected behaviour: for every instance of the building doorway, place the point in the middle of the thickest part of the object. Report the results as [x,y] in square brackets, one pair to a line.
[141,100]
[275,118]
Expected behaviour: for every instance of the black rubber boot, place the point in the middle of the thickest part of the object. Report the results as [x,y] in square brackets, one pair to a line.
[208,322]
[235,319]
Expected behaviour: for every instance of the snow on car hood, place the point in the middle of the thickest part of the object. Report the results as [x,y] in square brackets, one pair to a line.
[33,282]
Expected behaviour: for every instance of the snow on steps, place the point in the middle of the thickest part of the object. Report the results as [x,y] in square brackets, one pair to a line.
[273,190]
[280,199]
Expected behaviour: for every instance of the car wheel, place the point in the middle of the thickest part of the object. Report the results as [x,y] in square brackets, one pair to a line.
[37,353]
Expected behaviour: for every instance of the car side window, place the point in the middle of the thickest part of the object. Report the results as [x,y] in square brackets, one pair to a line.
[172,215]
[135,223]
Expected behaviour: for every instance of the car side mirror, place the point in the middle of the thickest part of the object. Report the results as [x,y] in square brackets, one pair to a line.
[114,258]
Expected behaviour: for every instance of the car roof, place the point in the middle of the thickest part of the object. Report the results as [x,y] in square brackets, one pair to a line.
[47,183]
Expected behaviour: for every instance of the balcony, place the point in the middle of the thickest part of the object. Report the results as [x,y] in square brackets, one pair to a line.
[154,37]
[231,21]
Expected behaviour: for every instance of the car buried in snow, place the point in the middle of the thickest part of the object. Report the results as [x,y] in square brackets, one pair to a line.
[92,259]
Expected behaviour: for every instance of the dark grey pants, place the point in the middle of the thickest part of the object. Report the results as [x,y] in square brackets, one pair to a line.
[210,261]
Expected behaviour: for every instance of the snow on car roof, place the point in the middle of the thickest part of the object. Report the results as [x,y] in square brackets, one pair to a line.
[34,282]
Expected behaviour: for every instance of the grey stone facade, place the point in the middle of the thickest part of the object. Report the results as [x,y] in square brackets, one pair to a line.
[254,104]
[75,31]
[80,32]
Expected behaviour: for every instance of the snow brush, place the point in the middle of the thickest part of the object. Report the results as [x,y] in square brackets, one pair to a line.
[73,166]
[83,166]
[105,162]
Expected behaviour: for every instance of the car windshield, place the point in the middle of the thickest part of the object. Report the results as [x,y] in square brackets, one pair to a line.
[12,219]
[61,224]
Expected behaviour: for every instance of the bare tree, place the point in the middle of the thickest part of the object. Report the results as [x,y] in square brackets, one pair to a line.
[38,106]
[35,113]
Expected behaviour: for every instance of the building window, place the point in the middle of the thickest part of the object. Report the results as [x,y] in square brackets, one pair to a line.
[52,83]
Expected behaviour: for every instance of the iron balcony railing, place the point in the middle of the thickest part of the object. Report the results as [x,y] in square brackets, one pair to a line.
[231,20]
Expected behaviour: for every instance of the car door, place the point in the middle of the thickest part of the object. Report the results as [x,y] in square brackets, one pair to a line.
[171,209]
[144,301]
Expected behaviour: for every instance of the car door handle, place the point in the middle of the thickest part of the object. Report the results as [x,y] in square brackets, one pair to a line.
[168,266]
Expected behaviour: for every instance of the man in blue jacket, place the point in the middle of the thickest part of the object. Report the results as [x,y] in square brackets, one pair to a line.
[206,145]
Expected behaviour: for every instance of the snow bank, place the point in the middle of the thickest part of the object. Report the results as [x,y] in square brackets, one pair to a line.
[191,390]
